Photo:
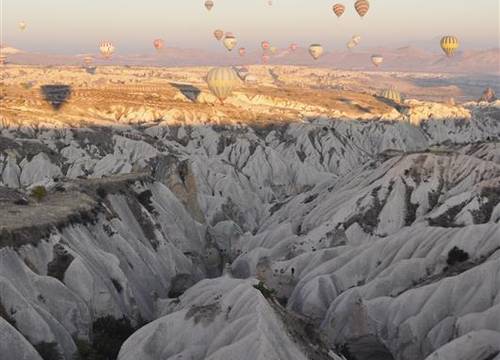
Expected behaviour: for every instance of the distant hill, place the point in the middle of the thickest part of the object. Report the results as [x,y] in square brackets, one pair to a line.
[410,58]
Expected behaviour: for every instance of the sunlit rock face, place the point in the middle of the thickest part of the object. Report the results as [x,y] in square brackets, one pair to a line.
[224,232]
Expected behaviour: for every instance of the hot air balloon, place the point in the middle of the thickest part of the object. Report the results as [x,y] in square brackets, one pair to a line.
[158,44]
[362,7]
[449,44]
[356,39]
[88,60]
[218,34]
[351,44]
[338,9]
[265,45]
[229,41]
[273,50]
[242,51]
[377,60]
[265,58]
[107,49]
[209,4]
[392,94]
[222,81]
[316,50]
[22,25]
[294,47]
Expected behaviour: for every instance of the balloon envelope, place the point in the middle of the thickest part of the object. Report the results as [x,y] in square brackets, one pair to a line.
[338,9]
[377,60]
[230,42]
[449,44]
[316,50]
[158,44]
[107,49]
[222,81]
[219,34]
[362,7]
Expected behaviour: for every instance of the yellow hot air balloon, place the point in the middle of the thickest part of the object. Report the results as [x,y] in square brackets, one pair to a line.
[362,7]
[392,94]
[449,44]
[316,50]
[222,81]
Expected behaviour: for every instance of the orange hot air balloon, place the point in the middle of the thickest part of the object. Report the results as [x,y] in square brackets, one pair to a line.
[158,44]
[242,51]
[219,34]
[338,9]
[362,7]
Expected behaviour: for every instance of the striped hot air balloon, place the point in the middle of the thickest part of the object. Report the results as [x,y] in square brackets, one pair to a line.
[362,7]
[316,50]
[222,81]
[449,44]
[107,49]
[158,44]
[218,34]
[338,9]
[392,94]
[88,60]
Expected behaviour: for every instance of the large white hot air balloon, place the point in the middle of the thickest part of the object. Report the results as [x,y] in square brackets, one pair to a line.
[106,49]
[222,81]
[316,50]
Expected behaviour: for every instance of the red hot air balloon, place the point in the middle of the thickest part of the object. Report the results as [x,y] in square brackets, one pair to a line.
[158,44]
[338,9]
[242,51]
[265,45]
[362,7]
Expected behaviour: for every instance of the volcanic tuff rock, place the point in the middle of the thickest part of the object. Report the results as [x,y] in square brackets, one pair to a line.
[360,229]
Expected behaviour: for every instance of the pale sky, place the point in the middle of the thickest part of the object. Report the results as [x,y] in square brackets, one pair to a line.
[77,26]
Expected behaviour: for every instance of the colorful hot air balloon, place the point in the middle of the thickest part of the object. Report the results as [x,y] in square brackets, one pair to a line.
[265,45]
[158,44]
[22,25]
[209,4]
[338,9]
[316,50]
[219,34]
[230,41]
[222,81]
[449,44]
[392,94]
[294,47]
[242,51]
[362,7]
[107,49]
[377,60]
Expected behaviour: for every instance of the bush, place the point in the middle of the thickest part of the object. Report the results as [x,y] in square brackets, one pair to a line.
[108,336]
[48,351]
[39,193]
[267,292]
[456,256]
